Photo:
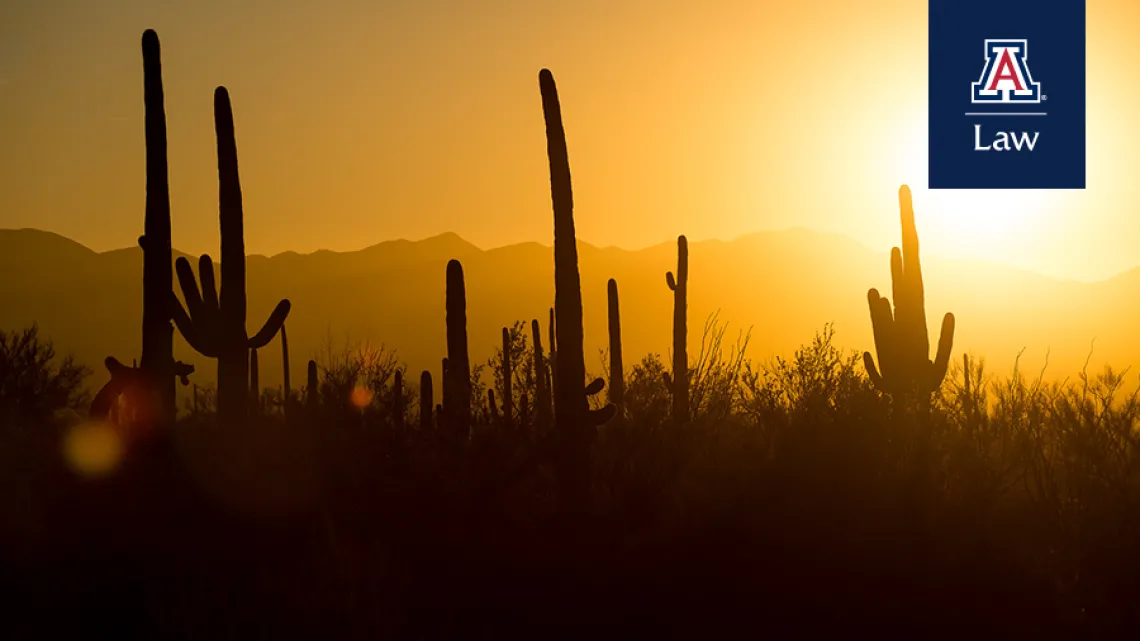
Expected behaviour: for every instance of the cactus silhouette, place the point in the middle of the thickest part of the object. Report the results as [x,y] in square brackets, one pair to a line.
[312,387]
[425,400]
[575,423]
[617,370]
[215,325]
[123,379]
[154,379]
[679,381]
[542,400]
[457,369]
[508,399]
[901,341]
[492,409]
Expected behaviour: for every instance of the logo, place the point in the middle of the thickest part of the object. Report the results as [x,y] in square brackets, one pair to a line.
[1006,77]
[1008,134]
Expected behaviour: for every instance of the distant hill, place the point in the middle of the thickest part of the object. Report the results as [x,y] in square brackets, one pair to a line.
[784,285]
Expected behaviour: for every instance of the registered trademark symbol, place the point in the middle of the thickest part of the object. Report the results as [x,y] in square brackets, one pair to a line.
[1044,98]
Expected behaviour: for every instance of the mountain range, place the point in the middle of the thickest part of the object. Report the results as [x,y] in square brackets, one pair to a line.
[782,285]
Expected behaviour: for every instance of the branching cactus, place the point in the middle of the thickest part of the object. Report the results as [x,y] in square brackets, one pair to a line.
[617,369]
[213,322]
[680,287]
[576,424]
[457,371]
[905,368]
[155,376]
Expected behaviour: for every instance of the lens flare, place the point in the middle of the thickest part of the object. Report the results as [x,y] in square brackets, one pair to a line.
[93,449]
[361,397]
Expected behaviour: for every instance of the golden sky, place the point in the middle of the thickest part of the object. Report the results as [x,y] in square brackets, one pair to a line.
[361,121]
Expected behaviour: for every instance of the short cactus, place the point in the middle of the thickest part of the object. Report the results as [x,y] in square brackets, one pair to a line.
[617,369]
[457,371]
[680,287]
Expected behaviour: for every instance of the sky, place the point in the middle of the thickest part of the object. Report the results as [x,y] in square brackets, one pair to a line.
[364,121]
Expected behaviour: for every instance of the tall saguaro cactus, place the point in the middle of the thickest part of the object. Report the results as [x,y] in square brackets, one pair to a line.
[214,321]
[154,379]
[457,369]
[680,287]
[158,278]
[905,368]
[575,422]
[617,368]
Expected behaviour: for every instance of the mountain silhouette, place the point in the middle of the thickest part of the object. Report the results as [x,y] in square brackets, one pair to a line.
[785,285]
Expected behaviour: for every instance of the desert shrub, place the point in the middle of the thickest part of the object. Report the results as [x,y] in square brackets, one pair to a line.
[34,382]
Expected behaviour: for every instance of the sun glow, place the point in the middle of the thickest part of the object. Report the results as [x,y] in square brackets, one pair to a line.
[982,223]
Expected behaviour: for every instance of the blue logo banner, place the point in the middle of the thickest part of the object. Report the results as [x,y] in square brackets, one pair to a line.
[1007,94]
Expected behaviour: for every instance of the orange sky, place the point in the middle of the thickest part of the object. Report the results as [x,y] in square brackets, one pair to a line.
[364,121]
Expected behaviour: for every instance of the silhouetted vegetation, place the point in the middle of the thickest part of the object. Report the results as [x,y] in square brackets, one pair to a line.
[801,496]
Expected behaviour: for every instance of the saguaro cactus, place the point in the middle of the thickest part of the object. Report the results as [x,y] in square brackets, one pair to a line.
[542,400]
[680,287]
[312,387]
[508,398]
[457,371]
[905,368]
[158,279]
[213,325]
[425,400]
[575,422]
[492,409]
[154,379]
[617,369]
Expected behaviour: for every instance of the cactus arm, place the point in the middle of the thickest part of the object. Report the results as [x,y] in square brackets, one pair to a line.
[189,286]
[603,415]
[189,330]
[945,343]
[209,287]
[273,325]
[670,282]
[872,371]
[883,327]
[595,386]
